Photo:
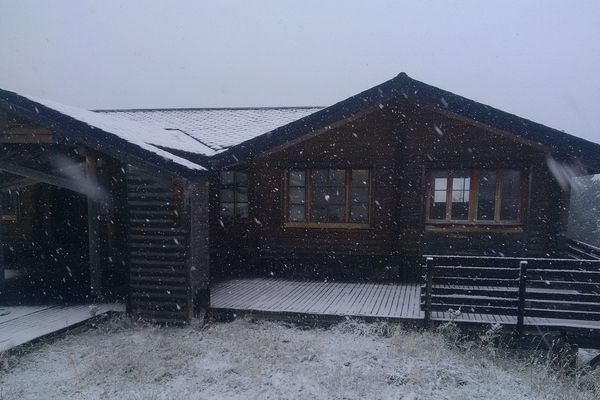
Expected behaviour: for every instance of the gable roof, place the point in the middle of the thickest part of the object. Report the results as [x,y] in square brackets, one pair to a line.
[404,87]
[188,140]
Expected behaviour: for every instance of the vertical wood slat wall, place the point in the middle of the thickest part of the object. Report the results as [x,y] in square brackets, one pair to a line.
[157,243]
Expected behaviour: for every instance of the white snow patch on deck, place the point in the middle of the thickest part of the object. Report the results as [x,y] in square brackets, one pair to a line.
[22,324]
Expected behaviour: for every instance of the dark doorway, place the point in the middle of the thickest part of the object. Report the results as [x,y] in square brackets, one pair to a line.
[47,248]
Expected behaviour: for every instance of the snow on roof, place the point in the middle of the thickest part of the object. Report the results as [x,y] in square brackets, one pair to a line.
[208,131]
[203,131]
[145,136]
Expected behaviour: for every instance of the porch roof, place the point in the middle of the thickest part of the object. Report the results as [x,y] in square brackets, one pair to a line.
[99,130]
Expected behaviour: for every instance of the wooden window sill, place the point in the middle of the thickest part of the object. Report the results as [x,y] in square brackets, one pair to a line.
[326,225]
[473,227]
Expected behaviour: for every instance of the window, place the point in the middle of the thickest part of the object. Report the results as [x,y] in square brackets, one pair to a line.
[328,196]
[234,194]
[475,196]
[9,205]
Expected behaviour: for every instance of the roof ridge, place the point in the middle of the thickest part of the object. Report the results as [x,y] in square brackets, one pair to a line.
[109,110]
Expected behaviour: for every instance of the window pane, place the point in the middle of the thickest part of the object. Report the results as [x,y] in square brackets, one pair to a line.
[297,213]
[320,196]
[486,201]
[319,177]
[234,194]
[297,178]
[226,177]
[325,196]
[440,184]
[438,198]
[511,182]
[335,214]
[227,209]
[297,195]
[241,179]
[227,195]
[360,214]
[360,195]
[337,196]
[318,214]
[337,177]
[241,210]
[241,194]
[460,196]
[360,177]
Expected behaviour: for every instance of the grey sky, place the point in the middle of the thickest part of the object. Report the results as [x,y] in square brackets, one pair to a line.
[538,59]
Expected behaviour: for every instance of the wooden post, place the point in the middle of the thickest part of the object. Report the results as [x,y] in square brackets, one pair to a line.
[428,291]
[196,195]
[1,259]
[93,231]
[521,303]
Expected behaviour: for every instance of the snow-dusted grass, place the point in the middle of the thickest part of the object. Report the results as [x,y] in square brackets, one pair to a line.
[243,359]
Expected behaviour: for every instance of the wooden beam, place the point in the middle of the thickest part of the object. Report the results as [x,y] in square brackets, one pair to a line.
[94,232]
[196,201]
[19,134]
[43,177]
[17,184]
[1,260]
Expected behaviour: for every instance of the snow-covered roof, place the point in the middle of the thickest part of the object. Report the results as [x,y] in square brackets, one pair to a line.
[145,136]
[207,131]
[201,131]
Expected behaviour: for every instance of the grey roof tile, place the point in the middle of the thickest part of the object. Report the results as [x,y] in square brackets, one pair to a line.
[208,131]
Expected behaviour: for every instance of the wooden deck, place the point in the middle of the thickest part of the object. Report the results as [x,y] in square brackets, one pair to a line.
[319,298]
[23,324]
[401,302]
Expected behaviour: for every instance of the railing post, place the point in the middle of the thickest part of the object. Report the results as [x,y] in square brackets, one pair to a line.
[521,304]
[428,291]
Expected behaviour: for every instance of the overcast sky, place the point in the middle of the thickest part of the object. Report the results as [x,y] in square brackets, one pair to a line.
[538,59]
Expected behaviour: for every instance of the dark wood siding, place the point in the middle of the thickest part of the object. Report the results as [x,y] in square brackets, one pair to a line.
[157,240]
[399,142]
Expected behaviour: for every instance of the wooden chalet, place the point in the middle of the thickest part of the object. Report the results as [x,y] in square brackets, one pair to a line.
[157,205]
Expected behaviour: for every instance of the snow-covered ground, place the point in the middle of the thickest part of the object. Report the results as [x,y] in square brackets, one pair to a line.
[246,360]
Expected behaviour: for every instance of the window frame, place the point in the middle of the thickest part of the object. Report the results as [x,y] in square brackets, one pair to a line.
[308,177]
[474,175]
[233,186]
